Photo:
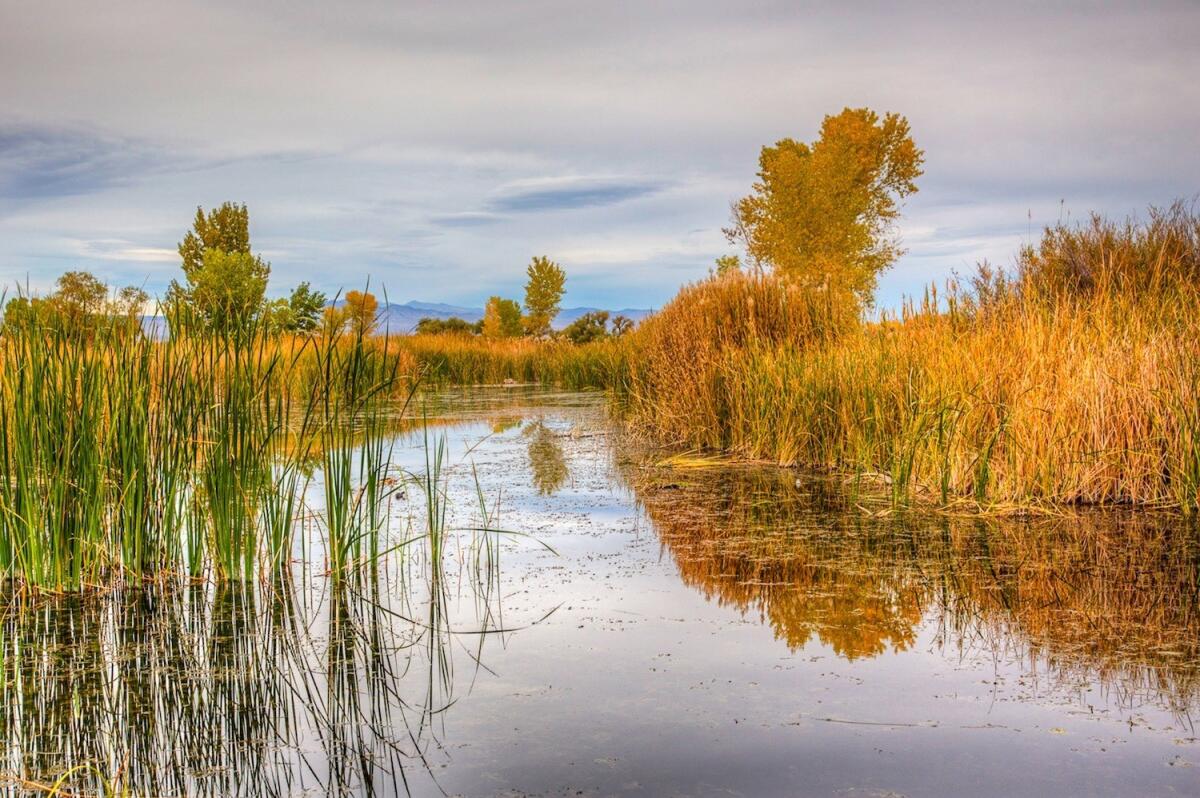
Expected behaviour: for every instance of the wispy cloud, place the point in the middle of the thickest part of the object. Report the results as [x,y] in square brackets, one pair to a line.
[121,250]
[46,162]
[704,245]
[566,193]
[465,219]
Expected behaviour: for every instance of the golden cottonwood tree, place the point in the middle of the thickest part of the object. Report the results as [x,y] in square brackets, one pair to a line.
[543,294]
[823,214]
[361,312]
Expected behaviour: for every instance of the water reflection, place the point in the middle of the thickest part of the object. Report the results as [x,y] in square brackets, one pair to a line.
[232,689]
[546,459]
[305,684]
[1113,597]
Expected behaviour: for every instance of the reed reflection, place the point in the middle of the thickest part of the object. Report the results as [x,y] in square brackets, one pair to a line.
[231,689]
[1113,596]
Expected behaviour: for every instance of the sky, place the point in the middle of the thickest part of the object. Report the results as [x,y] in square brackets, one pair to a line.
[434,148]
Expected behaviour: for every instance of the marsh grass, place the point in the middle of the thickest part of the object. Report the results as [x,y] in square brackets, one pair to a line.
[335,678]
[1073,380]
[123,458]
[471,360]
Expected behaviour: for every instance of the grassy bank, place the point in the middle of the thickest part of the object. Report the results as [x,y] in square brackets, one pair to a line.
[1074,380]
[474,360]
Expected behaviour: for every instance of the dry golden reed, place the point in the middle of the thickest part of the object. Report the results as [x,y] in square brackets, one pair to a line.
[1074,380]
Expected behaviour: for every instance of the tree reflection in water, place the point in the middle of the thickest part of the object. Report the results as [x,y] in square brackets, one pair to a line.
[1111,595]
[546,459]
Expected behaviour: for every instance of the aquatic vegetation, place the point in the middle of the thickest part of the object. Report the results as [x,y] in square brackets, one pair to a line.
[123,458]
[309,678]
[399,671]
[1073,381]
[224,689]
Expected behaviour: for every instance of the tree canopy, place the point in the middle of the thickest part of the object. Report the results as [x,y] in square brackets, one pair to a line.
[823,214]
[226,228]
[501,318]
[227,290]
[452,325]
[226,283]
[543,295]
[621,325]
[588,327]
[80,296]
[80,306]
[361,312]
[304,308]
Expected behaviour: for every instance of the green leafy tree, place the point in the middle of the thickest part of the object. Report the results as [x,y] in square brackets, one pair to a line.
[278,316]
[80,306]
[306,306]
[227,290]
[543,295]
[298,313]
[728,263]
[79,299]
[226,228]
[588,327]
[125,311]
[823,214]
[501,318]
[225,282]
[130,302]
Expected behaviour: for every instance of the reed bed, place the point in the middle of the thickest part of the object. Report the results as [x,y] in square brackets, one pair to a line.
[466,360]
[123,458]
[1073,380]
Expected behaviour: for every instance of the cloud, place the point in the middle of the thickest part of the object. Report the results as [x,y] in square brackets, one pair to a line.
[608,251]
[465,219]
[568,193]
[38,163]
[119,250]
[436,149]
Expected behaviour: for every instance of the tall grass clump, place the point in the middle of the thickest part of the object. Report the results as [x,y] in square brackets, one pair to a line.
[683,357]
[124,458]
[352,413]
[1072,379]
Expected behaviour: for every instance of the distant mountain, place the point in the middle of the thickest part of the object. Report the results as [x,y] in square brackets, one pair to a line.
[440,307]
[403,318]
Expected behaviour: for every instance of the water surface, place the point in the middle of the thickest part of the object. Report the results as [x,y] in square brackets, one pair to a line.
[654,630]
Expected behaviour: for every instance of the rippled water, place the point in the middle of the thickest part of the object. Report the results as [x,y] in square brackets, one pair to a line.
[656,629]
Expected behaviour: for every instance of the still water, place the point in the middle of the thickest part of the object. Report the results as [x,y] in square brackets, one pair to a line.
[609,622]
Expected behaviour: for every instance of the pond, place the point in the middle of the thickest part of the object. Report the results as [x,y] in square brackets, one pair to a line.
[613,621]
